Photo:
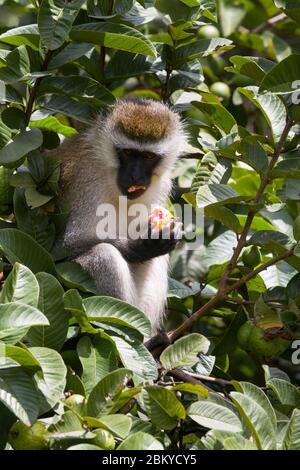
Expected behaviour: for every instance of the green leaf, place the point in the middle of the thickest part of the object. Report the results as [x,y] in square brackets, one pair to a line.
[73,275]
[257,413]
[215,413]
[52,305]
[17,65]
[21,144]
[114,36]
[18,394]
[52,382]
[164,409]
[81,88]
[20,247]
[272,108]
[184,352]
[286,392]
[140,441]
[70,53]
[291,439]
[20,286]
[199,48]
[51,123]
[290,7]
[24,35]
[253,67]
[108,309]
[254,154]
[218,194]
[118,424]
[22,356]
[284,76]
[195,389]
[38,225]
[136,357]
[15,320]
[210,170]
[98,357]
[230,15]
[102,395]
[55,20]
[62,104]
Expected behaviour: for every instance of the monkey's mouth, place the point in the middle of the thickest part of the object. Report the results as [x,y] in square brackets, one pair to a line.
[138,187]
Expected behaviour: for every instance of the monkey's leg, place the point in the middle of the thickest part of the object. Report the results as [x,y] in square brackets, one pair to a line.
[151,279]
[110,271]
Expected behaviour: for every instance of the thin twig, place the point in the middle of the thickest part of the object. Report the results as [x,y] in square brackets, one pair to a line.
[185,377]
[270,22]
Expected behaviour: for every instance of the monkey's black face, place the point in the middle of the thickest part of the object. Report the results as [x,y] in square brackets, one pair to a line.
[135,171]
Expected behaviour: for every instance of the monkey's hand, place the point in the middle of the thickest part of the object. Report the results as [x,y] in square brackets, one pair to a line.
[156,242]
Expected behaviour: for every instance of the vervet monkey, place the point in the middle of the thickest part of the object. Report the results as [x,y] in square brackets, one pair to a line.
[130,152]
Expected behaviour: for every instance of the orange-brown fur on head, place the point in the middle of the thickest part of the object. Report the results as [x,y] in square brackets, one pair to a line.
[143,119]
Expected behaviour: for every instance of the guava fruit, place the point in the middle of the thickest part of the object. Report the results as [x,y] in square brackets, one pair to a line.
[22,437]
[266,342]
[208,32]
[104,439]
[251,256]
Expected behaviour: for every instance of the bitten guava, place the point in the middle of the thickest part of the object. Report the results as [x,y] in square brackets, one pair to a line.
[76,403]
[22,437]
[267,342]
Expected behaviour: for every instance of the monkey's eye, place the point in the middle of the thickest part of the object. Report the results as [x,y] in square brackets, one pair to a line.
[150,155]
[126,152]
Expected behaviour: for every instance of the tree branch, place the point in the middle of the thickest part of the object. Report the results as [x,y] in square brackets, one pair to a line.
[34,89]
[251,214]
[187,324]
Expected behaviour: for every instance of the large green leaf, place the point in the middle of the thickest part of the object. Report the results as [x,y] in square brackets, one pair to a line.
[218,194]
[286,392]
[199,48]
[291,439]
[18,393]
[102,395]
[81,88]
[73,275]
[15,320]
[114,36]
[106,309]
[140,441]
[55,20]
[20,286]
[23,143]
[184,352]
[63,104]
[22,356]
[164,409]
[51,303]
[257,413]
[51,123]
[253,67]
[272,108]
[284,77]
[24,35]
[20,247]
[98,357]
[136,357]
[215,413]
[17,65]
[52,382]
[118,424]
